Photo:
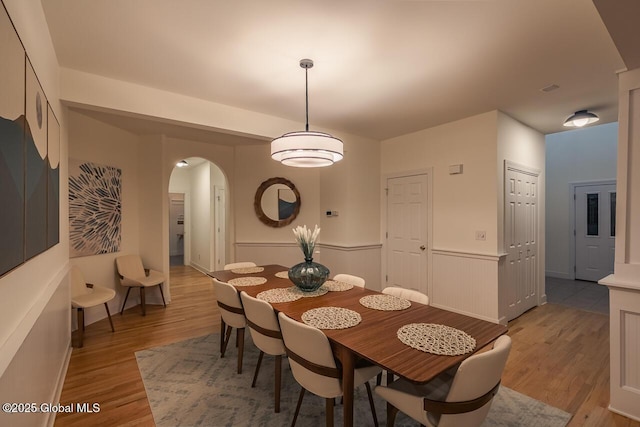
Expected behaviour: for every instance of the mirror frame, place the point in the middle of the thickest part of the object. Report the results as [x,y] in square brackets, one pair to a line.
[257,202]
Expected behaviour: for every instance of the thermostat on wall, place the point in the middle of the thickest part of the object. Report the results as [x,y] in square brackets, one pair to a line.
[455,169]
[332,213]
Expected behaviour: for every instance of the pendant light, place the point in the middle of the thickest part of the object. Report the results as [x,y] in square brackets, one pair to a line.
[306,149]
[581,118]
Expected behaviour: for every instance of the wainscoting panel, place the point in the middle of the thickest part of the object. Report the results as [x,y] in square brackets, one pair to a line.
[263,253]
[466,283]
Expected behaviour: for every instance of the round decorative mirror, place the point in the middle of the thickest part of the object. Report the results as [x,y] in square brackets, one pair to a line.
[277,202]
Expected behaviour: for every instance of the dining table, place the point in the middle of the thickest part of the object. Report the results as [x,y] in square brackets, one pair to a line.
[375,337]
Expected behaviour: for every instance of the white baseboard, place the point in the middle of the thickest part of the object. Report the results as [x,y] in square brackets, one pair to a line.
[60,384]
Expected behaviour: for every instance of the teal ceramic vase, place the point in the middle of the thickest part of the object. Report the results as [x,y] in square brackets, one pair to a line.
[308,275]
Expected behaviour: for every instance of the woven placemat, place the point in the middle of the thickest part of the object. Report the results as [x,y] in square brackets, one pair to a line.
[247,270]
[318,292]
[282,274]
[247,281]
[336,286]
[436,339]
[278,295]
[331,318]
[385,302]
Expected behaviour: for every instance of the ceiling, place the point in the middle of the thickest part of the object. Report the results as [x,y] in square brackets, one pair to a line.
[383,68]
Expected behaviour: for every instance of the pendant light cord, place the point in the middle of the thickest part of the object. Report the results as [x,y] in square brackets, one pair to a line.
[306,96]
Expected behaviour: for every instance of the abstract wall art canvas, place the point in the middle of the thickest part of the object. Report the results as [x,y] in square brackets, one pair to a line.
[95,208]
[12,124]
[36,166]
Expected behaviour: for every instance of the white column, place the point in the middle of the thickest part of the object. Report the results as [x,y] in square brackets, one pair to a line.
[624,284]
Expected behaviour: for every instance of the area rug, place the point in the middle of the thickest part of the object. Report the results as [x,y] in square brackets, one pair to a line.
[188,384]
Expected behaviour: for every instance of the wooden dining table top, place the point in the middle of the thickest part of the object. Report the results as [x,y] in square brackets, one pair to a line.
[375,337]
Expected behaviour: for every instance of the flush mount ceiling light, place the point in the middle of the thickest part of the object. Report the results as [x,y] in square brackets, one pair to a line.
[306,149]
[182,164]
[581,118]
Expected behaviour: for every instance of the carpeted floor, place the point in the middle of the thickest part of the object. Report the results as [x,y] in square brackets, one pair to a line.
[189,385]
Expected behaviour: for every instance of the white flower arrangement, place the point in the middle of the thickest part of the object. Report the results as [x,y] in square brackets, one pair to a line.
[306,239]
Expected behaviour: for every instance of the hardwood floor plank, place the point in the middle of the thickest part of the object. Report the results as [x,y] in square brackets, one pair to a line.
[560,355]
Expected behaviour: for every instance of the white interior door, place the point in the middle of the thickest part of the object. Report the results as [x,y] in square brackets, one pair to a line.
[176,224]
[407,226]
[595,216]
[220,228]
[521,234]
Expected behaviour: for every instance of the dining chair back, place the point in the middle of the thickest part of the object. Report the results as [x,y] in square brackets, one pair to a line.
[231,316]
[349,278]
[235,265]
[266,335]
[85,295]
[460,399]
[132,274]
[409,294]
[314,367]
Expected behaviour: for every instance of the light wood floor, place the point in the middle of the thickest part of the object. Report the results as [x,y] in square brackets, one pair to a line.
[560,355]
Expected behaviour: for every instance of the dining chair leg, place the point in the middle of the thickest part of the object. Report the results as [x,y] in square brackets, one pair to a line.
[80,326]
[227,337]
[255,375]
[295,414]
[389,378]
[162,295]
[125,300]
[373,406]
[392,411]
[223,329]
[329,411]
[143,300]
[278,385]
[109,316]
[240,342]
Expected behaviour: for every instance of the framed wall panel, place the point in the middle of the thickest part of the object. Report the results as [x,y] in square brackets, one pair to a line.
[12,124]
[36,166]
[53,182]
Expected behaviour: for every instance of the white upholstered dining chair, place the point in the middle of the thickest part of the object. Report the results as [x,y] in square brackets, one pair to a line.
[132,274]
[451,400]
[243,264]
[231,316]
[314,367]
[409,294]
[266,334]
[85,295]
[349,278]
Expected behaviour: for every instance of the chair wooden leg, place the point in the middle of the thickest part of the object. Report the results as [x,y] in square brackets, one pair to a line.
[278,385]
[223,329]
[240,342]
[162,295]
[373,406]
[389,378]
[143,301]
[392,411]
[125,300]
[227,336]
[379,379]
[295,414]
[255,375]
[109,316]
[329,412]
[80,326]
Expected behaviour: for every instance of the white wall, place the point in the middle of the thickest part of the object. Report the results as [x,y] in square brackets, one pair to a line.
[34,298]
[573,156]
[201,216]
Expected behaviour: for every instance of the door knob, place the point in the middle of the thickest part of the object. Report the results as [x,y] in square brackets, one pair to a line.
[423,247]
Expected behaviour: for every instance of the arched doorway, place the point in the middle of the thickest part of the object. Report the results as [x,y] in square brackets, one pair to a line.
[197,220]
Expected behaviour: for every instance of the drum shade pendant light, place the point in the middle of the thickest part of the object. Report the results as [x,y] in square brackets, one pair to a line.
[581,118]
[306,149]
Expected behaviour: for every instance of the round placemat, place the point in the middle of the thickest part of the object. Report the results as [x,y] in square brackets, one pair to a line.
[436,339]
[247,270]
[385,302]
[331,318]
[336,286]
[278,295]
[247,281]
[316,293]
[282,274]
